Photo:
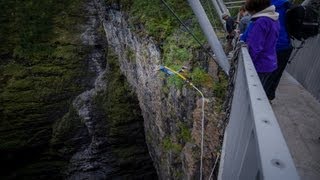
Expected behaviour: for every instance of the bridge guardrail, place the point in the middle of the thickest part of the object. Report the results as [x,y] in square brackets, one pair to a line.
[253,147]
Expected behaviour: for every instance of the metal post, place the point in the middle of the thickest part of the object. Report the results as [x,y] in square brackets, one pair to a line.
[220,9]
[210,34]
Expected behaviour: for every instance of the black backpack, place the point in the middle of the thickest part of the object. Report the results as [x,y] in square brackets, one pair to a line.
[302,22]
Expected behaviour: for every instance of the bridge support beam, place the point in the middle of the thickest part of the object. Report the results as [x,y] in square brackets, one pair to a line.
[206,27]
[220,9]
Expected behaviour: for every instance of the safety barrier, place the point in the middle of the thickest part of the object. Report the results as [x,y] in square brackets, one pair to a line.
[253,147]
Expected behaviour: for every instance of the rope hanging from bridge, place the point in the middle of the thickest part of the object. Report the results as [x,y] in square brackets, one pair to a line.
[221,59]
[170,71]
[214,166]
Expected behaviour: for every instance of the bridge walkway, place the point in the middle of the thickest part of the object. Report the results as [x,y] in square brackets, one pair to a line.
[298,114]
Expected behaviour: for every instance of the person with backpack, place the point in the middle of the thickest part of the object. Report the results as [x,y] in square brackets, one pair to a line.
[297,22]
[283,48]
[262,38]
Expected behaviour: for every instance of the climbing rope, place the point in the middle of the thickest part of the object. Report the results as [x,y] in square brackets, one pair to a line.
[214,166]
[185,79]
[202,130]
[171,72]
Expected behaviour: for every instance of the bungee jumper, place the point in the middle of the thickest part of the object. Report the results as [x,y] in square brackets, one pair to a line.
[170,72]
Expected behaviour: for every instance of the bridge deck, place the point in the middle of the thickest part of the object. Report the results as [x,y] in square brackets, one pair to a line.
[298,113]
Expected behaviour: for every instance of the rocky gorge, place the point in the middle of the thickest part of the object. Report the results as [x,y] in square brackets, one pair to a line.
[82,96]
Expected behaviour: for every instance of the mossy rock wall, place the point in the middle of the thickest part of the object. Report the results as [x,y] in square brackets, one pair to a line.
[42,69]
[44,66]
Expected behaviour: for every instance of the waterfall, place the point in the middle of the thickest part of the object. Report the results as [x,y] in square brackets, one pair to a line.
[115,147]
[86,162]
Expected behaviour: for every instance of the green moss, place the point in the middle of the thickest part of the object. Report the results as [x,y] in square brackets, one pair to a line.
[119,102]
[176,55]
[201,78]
[168,145]
[178,175]
[178,47]
[157,20]
[220,89]
[66,127]
[176,81]
[14,70]
[184,132]
[159,23]
[41,68]
[130,54]
[119,111]
[42,64]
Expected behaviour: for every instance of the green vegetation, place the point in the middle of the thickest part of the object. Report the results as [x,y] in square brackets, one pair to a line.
[119,102]
[130,54]
[185,134]
[156,18]
[169,145]
[41,66]
[220,90]
[118,105]
[175,81]
[178,49]
[65,128]
[159,23]
[178,46]
[201,78]
[198,77]
[42,63]
[220,87]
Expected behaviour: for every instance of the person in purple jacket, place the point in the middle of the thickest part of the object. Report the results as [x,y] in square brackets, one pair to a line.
[262,38]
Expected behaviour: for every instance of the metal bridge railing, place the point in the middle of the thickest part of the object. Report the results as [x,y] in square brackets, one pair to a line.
[254,147]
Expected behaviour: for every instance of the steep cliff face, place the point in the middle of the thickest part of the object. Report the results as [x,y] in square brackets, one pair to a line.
[172,114]
[115,145]
[43,67]
[66,111]
[82,96]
